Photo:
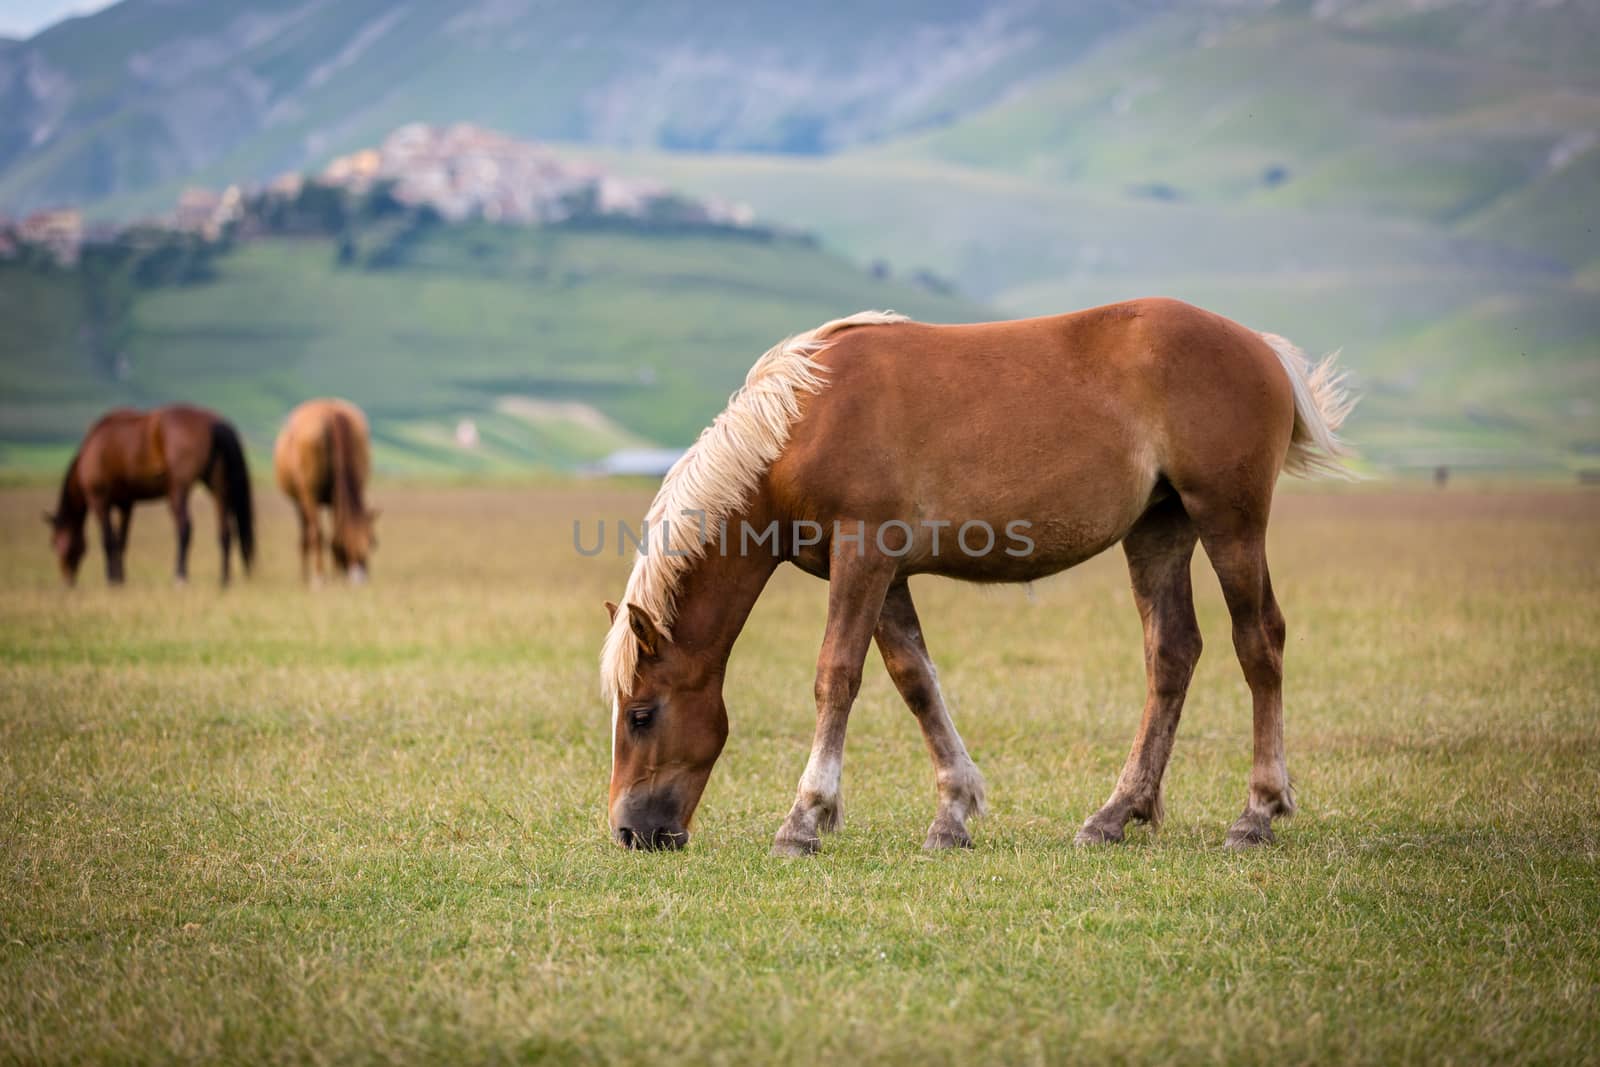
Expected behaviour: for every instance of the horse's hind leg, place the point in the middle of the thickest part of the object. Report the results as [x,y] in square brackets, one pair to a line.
[1159,548]
[1237,550]
[899,636]
[856,589]
[310,540]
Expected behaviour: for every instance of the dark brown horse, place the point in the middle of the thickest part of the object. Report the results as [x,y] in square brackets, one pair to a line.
[129,456]
[874,448]
[322,458]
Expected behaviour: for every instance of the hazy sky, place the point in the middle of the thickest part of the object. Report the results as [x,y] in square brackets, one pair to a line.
[24,18]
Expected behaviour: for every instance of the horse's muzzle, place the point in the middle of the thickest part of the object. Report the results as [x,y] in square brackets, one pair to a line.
[659,838]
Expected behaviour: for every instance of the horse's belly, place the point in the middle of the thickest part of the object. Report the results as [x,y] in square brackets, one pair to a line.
[1022,549]
[147,487]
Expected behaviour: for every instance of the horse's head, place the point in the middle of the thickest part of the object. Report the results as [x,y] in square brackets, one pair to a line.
[69,545]
[353,542]
[668,727]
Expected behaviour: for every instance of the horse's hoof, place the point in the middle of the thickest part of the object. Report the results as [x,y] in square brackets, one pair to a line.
[796,847]
[1098,835]
[1248,834]
[943,835]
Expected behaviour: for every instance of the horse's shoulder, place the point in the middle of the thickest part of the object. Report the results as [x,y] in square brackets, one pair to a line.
[115,423]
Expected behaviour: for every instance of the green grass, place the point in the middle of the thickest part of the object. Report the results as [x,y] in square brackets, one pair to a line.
[272,825]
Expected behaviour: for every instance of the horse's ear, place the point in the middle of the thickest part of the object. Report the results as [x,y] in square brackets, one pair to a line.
[611,611]
[644,629]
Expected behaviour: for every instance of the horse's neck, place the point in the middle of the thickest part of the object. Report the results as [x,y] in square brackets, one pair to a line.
[717,593]
[73,504]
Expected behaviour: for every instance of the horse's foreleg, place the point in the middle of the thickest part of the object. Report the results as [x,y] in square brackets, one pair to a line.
[1159,548]
[124,524]
[310,541]
[178,502]
[961,791]
[856,589]
[108,539]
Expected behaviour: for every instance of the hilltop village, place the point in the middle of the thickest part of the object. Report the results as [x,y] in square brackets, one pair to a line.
[455,174]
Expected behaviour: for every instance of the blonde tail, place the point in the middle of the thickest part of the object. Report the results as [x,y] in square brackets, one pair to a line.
[1321,404]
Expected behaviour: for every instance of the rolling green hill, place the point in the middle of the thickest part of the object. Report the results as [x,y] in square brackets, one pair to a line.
[560,345]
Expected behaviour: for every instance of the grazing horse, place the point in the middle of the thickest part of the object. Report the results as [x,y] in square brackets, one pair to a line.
[874,448]
[128,456]
[322,458]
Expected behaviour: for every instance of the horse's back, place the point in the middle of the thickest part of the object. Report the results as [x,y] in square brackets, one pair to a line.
[1069,422]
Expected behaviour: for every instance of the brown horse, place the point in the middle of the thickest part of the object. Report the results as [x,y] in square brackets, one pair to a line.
[874,448]
[322,458]
[128,456]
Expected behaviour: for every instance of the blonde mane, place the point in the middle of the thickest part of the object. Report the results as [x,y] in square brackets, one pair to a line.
[716,476]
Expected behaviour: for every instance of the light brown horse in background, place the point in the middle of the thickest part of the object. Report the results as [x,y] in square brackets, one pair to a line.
[874,448]
[322,458]
[128,456]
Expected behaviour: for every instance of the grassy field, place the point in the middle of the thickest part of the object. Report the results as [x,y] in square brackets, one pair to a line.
[367,825]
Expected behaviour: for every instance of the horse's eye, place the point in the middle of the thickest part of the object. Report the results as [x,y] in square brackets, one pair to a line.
[640,715]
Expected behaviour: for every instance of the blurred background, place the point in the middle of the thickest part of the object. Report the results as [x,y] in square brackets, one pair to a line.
[544,236]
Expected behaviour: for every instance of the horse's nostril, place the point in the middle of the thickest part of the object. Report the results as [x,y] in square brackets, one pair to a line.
[669,839]
[650,840]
